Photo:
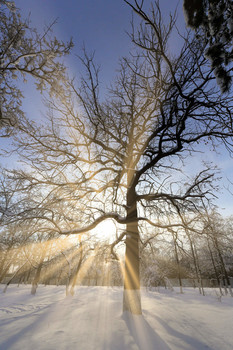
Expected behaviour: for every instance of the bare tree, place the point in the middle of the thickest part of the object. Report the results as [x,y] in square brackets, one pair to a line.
[25,53]
[117,156]
[217,241]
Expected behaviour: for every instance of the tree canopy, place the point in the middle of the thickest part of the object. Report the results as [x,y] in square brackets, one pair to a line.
[121,156]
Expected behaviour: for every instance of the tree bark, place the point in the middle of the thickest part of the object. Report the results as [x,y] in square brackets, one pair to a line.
[196,264]
[223,267]
[11,279]
[214,266]
[76,272]
[177,261]
[4,272]
[36,279]
[132,297]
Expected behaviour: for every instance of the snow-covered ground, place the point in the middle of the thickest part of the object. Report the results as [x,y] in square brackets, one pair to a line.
[93,320]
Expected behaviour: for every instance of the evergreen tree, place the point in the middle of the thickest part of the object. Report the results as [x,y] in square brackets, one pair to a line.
[213,21]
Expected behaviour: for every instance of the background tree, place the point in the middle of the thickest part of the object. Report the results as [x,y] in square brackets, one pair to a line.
[218,244]
[213,21]
[25,53]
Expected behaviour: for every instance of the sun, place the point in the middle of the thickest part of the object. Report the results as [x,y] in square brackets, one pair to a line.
[106,230]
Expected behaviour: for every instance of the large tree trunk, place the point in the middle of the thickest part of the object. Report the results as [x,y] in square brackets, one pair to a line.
[132,296]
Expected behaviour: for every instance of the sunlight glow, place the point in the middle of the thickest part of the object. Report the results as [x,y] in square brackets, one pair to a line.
[105,231]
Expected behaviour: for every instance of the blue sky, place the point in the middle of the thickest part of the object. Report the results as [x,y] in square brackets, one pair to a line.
[101,25]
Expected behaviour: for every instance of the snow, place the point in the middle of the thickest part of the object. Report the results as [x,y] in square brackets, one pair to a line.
[93,319]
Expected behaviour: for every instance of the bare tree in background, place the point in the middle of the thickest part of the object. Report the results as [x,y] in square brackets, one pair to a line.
[25,53]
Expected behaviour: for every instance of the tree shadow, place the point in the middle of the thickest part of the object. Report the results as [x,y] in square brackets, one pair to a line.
[23,331]
[187,340]
[144,336]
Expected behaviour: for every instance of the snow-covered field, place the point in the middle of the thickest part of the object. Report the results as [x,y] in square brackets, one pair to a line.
[93,320]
